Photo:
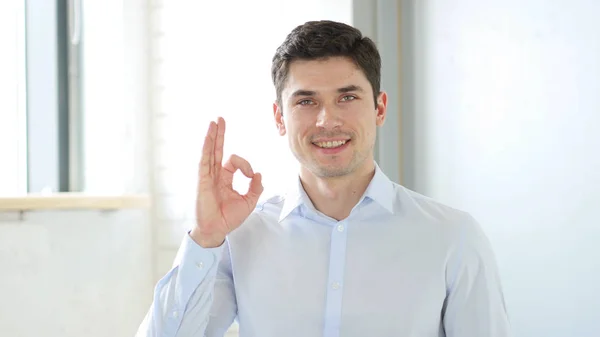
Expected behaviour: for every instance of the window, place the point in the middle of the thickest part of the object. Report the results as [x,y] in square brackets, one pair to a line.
[71,98]
[12,98]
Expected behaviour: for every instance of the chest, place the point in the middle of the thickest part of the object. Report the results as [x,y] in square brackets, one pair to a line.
[362,277]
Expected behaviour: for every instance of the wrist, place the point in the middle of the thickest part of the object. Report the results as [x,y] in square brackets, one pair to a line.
[206,241]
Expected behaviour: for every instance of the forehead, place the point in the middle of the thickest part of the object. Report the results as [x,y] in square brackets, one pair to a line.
[323,75]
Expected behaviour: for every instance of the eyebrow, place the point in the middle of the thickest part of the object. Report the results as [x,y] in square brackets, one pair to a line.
[303,93]
[350,88]
[345,89]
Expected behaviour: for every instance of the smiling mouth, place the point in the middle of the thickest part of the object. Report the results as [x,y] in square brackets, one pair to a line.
[331,145]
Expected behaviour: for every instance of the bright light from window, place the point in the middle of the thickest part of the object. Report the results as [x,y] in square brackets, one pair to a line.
[12,99]
[106,158]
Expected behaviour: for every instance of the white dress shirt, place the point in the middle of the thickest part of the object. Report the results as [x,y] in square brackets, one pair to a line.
[400,265]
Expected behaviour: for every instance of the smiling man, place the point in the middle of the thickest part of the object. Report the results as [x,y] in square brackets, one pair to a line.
[345,252]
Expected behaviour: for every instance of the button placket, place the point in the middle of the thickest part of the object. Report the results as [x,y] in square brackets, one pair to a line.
[335,280]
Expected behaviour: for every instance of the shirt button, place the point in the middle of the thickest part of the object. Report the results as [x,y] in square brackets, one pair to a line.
[340,228]
[200,265]
[175,314]
[335,285]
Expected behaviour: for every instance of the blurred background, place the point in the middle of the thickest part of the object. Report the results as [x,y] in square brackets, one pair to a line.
[494,108]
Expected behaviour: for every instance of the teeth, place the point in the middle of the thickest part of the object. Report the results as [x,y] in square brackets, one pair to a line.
[331,144]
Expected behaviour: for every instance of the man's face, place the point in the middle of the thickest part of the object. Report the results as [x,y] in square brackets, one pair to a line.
[329,116]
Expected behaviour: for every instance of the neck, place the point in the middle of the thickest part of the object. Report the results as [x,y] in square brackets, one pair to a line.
[335,197]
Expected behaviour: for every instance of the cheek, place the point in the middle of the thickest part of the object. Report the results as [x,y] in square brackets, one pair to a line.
[369,129]
[294,134]
[299,129]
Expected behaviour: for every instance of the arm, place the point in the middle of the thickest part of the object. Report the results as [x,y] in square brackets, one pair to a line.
[196,298]
[474,305]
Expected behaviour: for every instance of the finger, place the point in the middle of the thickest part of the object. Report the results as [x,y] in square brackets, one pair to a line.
[208,150]
[219,143]
[236,162]
[255,190]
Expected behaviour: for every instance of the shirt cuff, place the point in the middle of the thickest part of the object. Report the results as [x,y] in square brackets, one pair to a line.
[191,252]
[194,264]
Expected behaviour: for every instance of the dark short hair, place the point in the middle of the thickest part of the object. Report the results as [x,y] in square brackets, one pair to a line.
[321,39]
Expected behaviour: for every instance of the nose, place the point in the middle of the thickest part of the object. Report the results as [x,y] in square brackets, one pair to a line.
[329,118]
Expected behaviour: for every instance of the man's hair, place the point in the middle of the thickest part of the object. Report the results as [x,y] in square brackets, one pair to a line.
[322,39]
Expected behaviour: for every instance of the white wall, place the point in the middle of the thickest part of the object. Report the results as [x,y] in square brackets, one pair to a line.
[502,118]
[67,274]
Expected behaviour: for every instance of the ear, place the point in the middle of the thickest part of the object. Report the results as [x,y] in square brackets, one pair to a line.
[279,122]
[381,108]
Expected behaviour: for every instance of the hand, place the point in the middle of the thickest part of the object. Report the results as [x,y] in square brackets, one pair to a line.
[219,208]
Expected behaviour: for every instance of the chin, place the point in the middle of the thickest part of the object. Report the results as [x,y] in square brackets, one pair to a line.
[332,171]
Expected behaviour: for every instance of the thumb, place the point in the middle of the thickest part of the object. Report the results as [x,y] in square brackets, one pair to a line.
[256,188]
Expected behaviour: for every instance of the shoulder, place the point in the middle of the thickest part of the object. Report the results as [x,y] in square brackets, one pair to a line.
[458,225]
[466,244]
[419,205]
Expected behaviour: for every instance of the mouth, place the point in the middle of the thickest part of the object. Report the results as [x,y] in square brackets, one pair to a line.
[331,148]
[331,144]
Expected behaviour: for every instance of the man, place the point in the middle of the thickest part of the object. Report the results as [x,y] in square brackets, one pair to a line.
[346,252]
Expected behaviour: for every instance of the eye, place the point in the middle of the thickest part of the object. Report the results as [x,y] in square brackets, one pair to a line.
[305,102]
[348,98]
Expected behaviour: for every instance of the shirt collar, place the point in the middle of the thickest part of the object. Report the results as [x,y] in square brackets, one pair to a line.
[380,190]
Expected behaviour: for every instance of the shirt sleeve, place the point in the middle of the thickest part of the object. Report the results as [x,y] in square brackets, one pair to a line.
[196,297]
[474,305]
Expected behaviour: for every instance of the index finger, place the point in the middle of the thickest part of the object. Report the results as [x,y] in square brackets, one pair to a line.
[206,161]
[219,143]
[236,162]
